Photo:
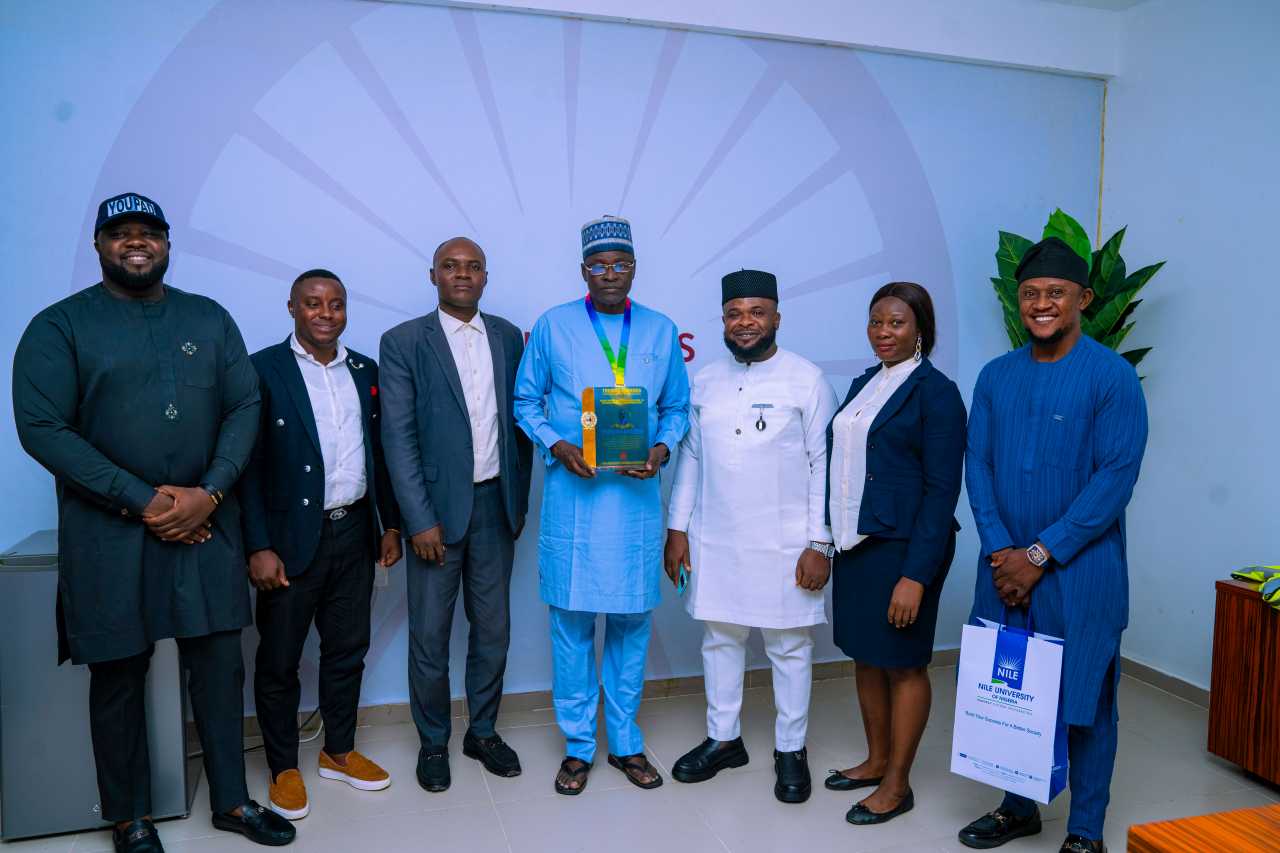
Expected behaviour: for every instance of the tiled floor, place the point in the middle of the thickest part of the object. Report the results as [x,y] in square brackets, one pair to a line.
[1162,772]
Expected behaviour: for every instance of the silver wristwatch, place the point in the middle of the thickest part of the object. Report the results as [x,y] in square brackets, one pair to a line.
[1037,556]
[826,549]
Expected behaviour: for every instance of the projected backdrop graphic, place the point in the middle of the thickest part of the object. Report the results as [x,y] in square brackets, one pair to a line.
[357,136]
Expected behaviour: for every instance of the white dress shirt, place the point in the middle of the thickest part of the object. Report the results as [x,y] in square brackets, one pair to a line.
[750,489]
[469,343]
[849,450]
[335,404]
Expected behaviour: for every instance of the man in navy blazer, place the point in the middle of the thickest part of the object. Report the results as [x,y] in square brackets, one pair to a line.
[318,511]
[460,469]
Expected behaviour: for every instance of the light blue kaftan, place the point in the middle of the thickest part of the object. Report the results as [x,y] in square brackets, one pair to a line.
[600,542]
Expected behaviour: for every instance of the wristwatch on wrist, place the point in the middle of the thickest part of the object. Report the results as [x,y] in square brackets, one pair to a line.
[826,549]
[1037,556]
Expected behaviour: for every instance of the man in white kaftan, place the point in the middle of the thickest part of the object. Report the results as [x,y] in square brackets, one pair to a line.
[746,520]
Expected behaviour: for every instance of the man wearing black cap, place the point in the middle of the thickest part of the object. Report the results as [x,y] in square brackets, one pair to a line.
[747,522]
[1056,436]
[141,401]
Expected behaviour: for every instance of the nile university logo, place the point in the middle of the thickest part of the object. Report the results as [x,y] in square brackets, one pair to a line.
[1010,659]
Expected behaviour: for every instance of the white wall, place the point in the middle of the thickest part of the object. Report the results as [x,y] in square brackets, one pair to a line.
[1192,122]
[1051,36]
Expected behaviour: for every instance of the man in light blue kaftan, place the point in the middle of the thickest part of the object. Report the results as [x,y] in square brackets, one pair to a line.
[1056,436]
[601,537]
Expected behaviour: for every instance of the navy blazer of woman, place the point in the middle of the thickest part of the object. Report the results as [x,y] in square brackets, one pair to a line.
[915,458]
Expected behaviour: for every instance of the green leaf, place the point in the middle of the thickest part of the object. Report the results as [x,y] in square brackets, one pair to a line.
[1104,264]
[1124,316]
[1142,276]
[1010,251]
[1105,319]
[1007,292]
[1070,232]
[1017,334]
[1113,341]
[1134,356]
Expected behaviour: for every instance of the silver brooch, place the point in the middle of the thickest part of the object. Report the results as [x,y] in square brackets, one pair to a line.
[171,412]
[356,365]
[189,348]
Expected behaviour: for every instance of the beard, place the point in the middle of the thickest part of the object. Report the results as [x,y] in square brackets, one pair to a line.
[1053,337]
[137,282]
[754,351]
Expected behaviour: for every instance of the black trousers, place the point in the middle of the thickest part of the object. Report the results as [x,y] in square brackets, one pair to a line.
[481,564]
[334,591]
[118,721]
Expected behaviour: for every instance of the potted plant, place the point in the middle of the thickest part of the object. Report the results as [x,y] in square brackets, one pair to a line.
[1115,291]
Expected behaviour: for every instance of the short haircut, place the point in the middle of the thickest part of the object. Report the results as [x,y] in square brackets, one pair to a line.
[317,273]
[921,305]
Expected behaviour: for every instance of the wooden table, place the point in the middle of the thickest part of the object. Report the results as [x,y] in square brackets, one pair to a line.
[1240,831]
[1244,695]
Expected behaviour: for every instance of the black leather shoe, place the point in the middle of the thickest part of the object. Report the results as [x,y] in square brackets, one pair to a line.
[259,825]
[998,827]
[709,758]
[493,752]
[1080,844]
[139,836]
[792,771]
[860,815]
[433,769]
[837,781]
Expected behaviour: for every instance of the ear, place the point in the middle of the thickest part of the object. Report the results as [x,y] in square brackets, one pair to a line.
[777,320]
[431,274]
[1086,298]
[586,276]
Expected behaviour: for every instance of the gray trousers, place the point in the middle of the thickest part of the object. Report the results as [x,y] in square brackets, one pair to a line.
[481,564]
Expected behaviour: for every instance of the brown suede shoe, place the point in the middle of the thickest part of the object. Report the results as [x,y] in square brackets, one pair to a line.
[358,772]
[287,796]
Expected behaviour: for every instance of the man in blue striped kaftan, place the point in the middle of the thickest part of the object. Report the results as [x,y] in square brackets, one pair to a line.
[1056,436]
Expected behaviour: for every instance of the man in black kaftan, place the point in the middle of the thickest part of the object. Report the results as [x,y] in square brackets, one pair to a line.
[141,400]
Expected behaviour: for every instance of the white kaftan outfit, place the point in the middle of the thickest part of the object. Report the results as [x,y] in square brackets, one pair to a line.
[749,490]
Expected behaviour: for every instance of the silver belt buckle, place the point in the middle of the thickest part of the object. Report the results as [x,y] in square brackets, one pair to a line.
[338,514]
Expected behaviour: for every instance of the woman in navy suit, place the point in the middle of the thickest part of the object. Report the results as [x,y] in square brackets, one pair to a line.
[895,454]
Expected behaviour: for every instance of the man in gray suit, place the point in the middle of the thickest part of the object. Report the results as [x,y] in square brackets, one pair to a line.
[460,471]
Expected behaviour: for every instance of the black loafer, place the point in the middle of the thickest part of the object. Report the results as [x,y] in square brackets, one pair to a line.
[1079,844]
[709,758]
[139,836]
[259,825]
[837,781]
[793,783]
[433,769]
[493,752]
[860,815]
[998,827]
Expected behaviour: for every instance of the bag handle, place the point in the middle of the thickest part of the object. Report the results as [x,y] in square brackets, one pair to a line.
[1026,618]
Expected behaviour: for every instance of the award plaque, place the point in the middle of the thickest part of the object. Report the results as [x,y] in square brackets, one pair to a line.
[615,427]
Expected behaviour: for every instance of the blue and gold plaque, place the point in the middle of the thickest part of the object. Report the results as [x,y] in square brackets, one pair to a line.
[615,427]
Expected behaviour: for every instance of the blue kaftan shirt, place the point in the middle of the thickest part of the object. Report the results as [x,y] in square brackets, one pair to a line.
[1053,454]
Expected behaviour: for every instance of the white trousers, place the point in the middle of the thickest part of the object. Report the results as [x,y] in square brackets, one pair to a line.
[724,662]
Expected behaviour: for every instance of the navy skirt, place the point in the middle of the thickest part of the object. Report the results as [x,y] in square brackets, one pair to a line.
[860,594]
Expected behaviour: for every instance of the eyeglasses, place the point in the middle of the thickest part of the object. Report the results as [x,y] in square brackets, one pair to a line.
[618,267]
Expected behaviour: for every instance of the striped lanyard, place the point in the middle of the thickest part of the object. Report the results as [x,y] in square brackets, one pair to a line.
[617,365]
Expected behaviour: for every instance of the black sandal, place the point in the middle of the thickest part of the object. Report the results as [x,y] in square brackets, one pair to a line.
[582,771]
[632,764]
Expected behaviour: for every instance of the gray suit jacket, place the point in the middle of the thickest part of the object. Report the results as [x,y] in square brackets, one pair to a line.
[426,431]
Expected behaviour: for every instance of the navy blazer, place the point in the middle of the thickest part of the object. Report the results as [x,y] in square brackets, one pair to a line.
[282,490]
[915,457]
[426,427]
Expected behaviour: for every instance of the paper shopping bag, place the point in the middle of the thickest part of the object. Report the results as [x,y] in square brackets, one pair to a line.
[1008,725]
